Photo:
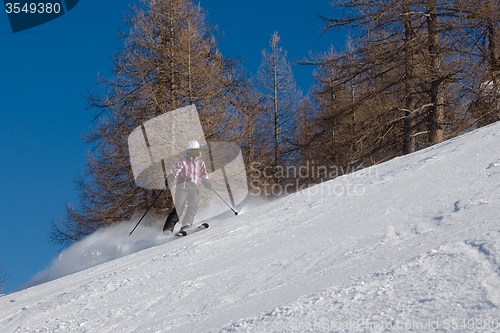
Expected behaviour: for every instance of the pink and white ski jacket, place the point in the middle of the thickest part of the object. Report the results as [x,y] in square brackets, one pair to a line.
[190,167]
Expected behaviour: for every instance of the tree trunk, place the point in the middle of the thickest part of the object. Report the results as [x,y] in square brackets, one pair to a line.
[436,91]
[409,85]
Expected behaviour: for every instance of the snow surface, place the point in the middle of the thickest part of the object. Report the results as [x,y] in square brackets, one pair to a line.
[409,245]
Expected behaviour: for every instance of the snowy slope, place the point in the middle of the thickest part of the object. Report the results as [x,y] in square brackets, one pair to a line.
[409,244]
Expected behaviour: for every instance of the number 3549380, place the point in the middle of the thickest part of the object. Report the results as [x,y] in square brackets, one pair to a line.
[32,8]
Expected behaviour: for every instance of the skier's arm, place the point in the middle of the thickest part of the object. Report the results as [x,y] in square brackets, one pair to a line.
[204,177]
[207,184]
[169,180]
[177,168]
[174,172]
[203,171]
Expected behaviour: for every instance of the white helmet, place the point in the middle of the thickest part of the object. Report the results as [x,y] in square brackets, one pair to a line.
[193,144]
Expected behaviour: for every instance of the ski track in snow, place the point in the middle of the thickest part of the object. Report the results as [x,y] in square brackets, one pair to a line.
[429,293]
[414,241]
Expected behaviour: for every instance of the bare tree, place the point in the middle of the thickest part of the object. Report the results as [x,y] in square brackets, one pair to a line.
[281,97]
[389,88]
[479,40]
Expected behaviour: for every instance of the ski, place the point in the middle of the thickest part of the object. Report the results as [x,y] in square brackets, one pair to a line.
[192,230]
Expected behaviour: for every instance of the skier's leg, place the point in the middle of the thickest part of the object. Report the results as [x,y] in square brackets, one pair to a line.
[171,220]
[173,217]
[193,199]
[181,201]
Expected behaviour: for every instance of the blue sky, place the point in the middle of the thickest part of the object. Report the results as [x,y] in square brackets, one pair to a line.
[46,73]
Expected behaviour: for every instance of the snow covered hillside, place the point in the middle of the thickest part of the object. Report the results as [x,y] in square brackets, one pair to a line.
[409,245]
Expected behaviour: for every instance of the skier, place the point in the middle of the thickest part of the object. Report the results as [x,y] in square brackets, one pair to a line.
[189,171]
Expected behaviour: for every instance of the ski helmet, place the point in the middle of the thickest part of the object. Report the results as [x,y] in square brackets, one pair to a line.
[192,144]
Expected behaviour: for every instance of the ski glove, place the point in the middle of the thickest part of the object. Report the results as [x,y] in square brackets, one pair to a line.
[169,180]
[207,184]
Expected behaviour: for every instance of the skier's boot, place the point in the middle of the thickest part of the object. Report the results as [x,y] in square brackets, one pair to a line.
[168,229]
[172,219]
[184,227]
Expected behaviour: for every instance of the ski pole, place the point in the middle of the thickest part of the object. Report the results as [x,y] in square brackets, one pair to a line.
[146,211]
[235,212]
